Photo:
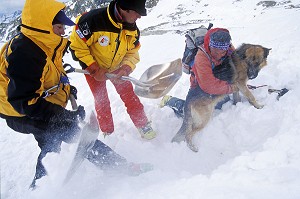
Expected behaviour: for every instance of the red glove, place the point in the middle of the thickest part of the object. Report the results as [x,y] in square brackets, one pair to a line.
[96,72]
[124,70]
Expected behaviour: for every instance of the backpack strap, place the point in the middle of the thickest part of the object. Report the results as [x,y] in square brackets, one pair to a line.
[209,58]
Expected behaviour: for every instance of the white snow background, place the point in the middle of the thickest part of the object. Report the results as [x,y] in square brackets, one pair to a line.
[244,153]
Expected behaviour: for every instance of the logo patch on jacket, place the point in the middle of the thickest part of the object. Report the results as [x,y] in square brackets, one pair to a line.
[103,41]
[85,29]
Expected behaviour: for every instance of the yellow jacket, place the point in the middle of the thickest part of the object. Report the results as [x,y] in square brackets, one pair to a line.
[99,37]
[31,63]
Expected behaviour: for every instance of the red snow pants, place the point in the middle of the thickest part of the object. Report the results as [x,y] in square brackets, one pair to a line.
[135,108]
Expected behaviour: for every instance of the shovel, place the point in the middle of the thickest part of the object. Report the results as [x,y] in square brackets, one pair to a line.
[154,83]
[133,80]
[69,69]
[89,134]
[157,80]
[162,76]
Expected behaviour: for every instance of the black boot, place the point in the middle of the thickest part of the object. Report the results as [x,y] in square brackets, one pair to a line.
[174,103]
[105,158]
[40,170]
[177,105]
[46,147]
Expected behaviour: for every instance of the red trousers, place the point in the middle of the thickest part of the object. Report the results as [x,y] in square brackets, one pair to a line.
[135,108]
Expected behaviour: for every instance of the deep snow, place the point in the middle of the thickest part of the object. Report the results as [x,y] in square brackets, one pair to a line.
[244,153]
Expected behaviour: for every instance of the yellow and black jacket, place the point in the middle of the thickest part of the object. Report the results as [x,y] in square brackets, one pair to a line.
[31,63]
[99,37]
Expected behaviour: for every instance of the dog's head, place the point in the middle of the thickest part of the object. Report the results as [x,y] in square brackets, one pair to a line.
[255,56]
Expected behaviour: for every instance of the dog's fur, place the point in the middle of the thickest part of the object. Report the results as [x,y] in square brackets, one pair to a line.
[246,62]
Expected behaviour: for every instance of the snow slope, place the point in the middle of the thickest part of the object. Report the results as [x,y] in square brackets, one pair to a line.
[244,153]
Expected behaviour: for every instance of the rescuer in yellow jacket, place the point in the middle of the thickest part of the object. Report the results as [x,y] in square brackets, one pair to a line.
[34,87]
[106,40]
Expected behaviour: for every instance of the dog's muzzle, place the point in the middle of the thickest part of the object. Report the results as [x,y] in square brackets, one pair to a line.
[252,72]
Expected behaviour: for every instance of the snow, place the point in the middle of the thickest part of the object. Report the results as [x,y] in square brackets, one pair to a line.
[244,153]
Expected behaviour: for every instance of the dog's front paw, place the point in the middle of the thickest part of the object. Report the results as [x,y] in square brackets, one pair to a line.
[192,147]
[258,106]
[190,144]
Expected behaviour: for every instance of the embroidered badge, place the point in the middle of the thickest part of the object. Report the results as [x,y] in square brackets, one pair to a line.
[103,41]
[85,28]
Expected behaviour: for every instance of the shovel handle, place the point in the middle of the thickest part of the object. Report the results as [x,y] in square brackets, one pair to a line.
[70,69]
[75,106]
[73,102]
[131,79]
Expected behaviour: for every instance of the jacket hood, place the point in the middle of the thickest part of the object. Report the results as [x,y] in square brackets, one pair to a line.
[207,37]
[37,17]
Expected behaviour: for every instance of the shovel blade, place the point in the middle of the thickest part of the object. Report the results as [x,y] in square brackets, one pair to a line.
[162,77]
[89,134]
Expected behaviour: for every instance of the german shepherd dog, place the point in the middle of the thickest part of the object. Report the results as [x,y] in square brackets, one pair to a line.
[245,63]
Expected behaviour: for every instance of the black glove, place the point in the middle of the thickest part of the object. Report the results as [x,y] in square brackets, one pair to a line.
[81,112]
[73,91]
[65,114]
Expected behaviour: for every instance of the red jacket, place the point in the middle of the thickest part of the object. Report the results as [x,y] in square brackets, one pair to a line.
[202,69]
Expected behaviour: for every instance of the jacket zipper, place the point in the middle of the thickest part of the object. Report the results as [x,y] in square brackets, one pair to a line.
[53,58]
[117,46]
[55,50]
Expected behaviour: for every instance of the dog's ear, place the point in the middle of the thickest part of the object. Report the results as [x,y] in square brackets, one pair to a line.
[266,52]
[241,51]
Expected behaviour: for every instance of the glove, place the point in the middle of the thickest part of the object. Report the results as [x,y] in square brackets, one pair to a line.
[96,72]
[73,91]
[80,112]
[124,70]
[65,114]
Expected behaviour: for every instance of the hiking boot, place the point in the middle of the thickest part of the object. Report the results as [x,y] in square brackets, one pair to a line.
[164,100]
[135,169]
[147,132]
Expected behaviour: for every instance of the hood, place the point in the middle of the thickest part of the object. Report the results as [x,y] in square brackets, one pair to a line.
[37,17]
[207,37]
